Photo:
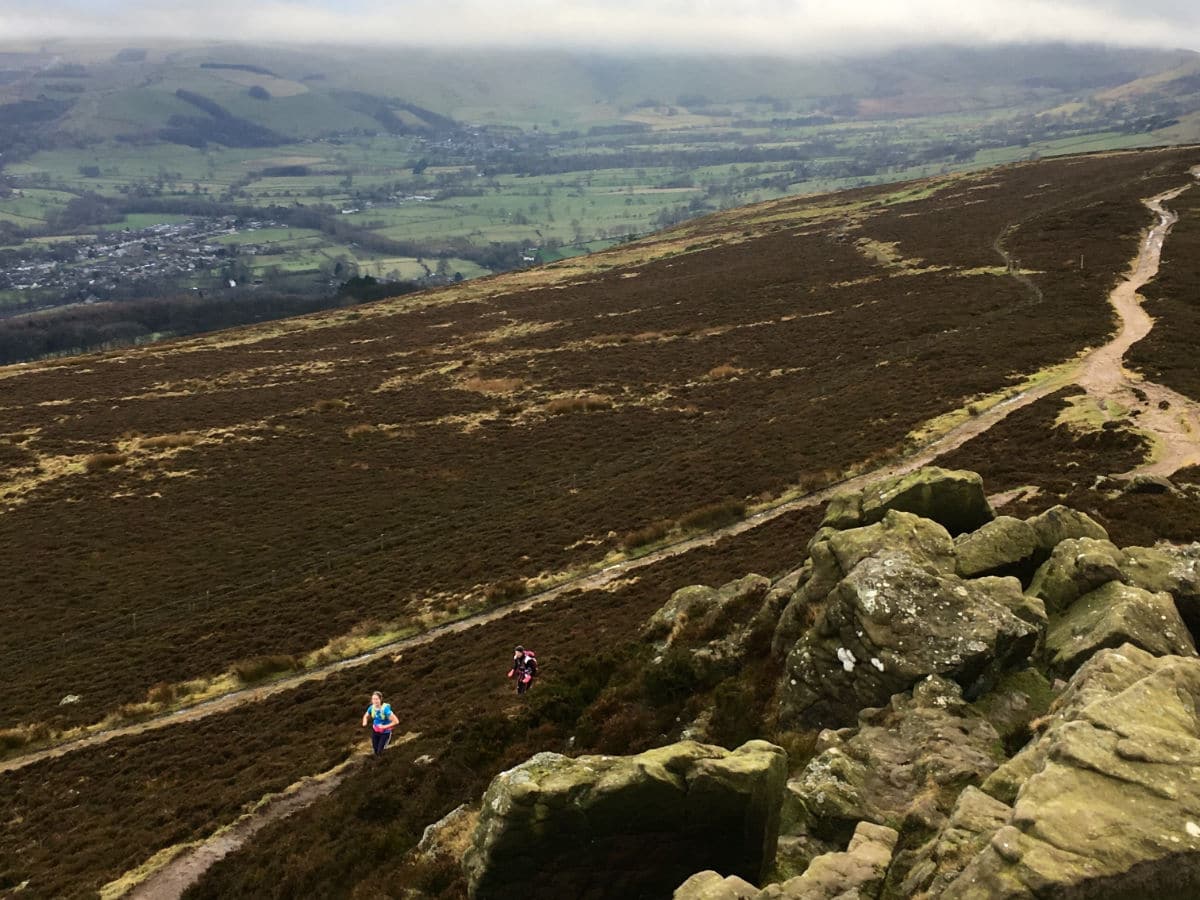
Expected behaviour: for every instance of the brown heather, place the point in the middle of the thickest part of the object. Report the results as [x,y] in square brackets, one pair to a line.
[310,505]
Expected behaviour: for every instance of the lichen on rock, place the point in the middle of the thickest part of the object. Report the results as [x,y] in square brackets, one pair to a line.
[582,827]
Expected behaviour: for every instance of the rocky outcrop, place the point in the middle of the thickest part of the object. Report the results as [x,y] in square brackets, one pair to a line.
[1004,546]
[891,622]
[1175,570]
[954,499]
[703,612]
[856,874]
[833,554]
[1106,802]
[905,763]
[1113,615]
[936,864]
[1061,523]
[925,663]
[711,631]
[1013,704]
[1076,567]
[709,885]
[606,826]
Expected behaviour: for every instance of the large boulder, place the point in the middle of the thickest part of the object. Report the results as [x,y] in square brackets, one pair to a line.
[712,630]
[835,553]
[1004,546]
[857,873]
[1113,615]
[954,499]
[1106,802]
[934,865]
[709,885]
[702,612]
[607,826]
[1014,703]
[923,540]
[891,622]
[905,763]
[1076,567]
[1061,523]
[1175,570]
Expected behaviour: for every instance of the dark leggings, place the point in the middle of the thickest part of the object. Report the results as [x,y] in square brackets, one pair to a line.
[379,740]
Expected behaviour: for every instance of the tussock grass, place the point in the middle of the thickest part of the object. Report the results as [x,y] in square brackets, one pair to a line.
[713,515]
[20,736]
[728,370]
[136,712]
[98,462]
[169,441]
[583,403]
[335,405]
[162,694]
[509,589]
[259,668]
[362,638]
[647,534]
[492,385]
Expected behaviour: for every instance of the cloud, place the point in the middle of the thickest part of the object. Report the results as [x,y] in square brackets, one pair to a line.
[771,26]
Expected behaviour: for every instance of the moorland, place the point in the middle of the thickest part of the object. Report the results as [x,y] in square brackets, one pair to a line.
[200,516]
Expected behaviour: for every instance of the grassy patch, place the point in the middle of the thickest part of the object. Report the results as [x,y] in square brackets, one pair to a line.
[260,668]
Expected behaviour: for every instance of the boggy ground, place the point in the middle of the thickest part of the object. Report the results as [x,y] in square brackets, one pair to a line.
[378,463]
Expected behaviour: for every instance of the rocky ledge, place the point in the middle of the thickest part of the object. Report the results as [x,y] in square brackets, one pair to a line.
[992,708]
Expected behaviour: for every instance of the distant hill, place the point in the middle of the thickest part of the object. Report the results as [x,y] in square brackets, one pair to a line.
[555,90]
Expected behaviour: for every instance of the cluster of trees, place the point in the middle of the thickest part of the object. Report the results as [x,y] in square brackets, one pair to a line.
[104,326]
[383,111]
[220,126]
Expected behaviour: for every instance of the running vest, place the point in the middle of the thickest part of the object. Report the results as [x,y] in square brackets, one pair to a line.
[381,717]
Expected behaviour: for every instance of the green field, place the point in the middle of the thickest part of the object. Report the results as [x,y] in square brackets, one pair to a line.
[545,152]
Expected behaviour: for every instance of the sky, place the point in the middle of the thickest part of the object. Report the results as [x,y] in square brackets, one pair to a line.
[768,26]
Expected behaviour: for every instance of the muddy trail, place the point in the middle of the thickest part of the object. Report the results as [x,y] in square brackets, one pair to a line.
[1171,420]
[176,876]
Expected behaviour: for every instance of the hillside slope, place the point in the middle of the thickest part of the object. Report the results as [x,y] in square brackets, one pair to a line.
[238,502]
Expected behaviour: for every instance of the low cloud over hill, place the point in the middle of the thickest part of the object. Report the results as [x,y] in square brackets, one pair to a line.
[773,26]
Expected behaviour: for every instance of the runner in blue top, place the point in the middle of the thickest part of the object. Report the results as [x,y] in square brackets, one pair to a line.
[382,721]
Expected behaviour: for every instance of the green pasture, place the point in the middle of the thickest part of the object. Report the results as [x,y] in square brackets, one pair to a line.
[149,220]
[29,207]
[273,236]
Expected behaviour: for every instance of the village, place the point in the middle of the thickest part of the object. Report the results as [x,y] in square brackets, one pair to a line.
[129,263]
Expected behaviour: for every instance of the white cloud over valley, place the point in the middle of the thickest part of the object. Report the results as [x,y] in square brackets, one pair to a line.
[771,26]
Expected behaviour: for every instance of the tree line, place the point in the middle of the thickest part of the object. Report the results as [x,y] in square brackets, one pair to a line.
[106,326]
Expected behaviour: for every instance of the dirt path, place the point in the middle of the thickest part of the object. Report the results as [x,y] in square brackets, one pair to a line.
[1170,419]
[176,876]
[1176,428]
